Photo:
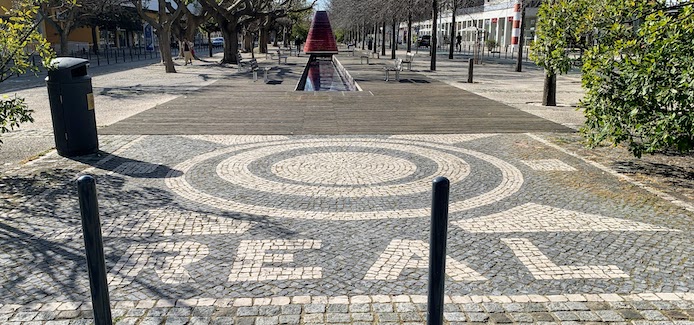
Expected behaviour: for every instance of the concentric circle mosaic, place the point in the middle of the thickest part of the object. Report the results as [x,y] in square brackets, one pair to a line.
[341,178]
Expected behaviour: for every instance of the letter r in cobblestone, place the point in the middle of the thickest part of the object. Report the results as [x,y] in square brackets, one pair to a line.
[398,256]
[542,268]
[252,258]
[171,268]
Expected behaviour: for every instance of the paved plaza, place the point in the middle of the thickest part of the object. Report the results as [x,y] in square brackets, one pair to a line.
[276,220]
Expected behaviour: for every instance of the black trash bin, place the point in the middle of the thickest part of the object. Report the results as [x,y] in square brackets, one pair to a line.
[72,107]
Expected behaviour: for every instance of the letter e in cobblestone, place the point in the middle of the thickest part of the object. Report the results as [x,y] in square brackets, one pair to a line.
[252,258]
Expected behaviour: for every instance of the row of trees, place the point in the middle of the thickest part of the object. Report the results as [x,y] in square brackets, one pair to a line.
[256,18]
[179,19]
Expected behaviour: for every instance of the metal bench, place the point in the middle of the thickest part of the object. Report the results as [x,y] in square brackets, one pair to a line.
[409,57]
[396,67]
[254,67]
[280,56]
[364,55]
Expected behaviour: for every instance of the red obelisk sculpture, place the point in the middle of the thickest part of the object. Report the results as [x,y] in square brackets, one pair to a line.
[320,40]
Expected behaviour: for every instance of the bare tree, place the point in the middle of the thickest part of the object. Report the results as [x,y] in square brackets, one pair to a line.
[162,25]
[65,15]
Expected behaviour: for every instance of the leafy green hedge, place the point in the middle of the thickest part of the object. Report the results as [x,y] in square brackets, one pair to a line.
[640,90]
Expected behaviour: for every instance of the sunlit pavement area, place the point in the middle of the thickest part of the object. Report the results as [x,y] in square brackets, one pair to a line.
[272,207]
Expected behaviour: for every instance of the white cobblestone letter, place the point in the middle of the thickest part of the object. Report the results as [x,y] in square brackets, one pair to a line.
[398,256]
[171,268]
[253,262]
[542,268]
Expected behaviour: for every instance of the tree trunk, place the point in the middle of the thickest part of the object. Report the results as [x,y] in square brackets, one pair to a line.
[231,40]
[519,62]
[549,95]
[64,43]
[363,37]
[263,40]
[409,32]
[165,48]
[394,43]
[452,37]
[435,10]
[95,41]
[383,39]
[247,41]
[375,39]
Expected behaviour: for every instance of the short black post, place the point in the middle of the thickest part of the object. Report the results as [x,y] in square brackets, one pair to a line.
[437,250]
[93,242]
[470,67]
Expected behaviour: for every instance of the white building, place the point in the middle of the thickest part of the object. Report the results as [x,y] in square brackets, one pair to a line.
[493,19]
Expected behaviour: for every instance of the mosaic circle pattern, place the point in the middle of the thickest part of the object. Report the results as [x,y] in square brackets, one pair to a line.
[316,170]
[343,168]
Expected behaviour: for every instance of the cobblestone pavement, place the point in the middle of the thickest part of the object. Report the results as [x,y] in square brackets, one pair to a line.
[287,229]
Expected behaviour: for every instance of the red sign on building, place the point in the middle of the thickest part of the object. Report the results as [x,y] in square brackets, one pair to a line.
[510,19]
[495,20]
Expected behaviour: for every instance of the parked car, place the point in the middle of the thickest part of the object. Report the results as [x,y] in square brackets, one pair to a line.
[424,40]
[218,41]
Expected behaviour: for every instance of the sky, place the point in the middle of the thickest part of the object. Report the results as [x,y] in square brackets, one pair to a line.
[322,5]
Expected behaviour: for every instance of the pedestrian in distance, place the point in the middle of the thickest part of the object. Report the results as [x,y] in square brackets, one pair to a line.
[458,41]
[187,53]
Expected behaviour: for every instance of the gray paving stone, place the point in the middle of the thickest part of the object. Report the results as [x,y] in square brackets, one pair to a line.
[455,317]
[362,317]
[543,317]
[630,314]
[340,308]
[199,320]
[314,308]
[609,315]
[477,317]
[66,322]
[176,320]
[360,308]
[337,317]
[289,319]
[410,316]
[225,320]
[152,321]
[500,318]
[247,311]
[291,310]
[521,317]
[653,315]
[387,317]
[566,316]
[313,318]
[267,320]
[269,310]
[382,308]
[587,316]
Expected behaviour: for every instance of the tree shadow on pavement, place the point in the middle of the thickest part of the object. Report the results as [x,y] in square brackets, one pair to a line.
[38,265]
[127,166]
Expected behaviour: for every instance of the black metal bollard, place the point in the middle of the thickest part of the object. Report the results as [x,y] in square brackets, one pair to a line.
[437,250]
[470,67]
[93,242]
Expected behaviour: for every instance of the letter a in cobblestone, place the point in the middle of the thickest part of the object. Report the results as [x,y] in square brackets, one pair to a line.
[171,269]
[252,255]
[398,256]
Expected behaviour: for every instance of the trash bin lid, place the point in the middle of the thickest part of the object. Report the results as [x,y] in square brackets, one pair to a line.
[64,69]
[68,63]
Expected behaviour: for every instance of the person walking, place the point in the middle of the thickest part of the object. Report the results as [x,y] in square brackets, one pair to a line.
[458,41]
[187,53]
